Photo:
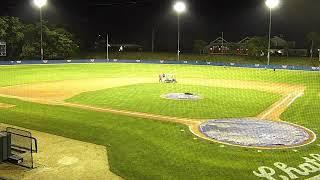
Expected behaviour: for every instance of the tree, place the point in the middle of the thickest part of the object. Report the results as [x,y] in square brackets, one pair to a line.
[31,45]
[199,45]
[23,40]
[60,43]
[57,42]
[257,46]
[11,31]
[314,39]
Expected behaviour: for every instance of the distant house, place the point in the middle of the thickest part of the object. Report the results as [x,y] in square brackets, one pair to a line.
[242,46]
[218,46]
[3,48]
[282,47]
[221,46]
[279,46]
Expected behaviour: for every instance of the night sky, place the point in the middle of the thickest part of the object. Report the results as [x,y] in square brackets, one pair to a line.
[132,21]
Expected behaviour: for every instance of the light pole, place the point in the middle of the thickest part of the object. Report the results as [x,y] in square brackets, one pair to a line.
[179,7]
[271,4]
[40,4]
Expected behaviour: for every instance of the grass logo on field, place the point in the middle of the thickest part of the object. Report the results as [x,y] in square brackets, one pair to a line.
[311,166]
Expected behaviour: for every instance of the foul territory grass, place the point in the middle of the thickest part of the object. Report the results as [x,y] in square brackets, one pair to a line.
[144,149]
[214,103]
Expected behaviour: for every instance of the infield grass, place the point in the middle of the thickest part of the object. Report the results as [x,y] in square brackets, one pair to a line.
[214,103]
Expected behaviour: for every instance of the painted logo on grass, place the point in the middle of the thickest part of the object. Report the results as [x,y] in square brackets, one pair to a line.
[311,166]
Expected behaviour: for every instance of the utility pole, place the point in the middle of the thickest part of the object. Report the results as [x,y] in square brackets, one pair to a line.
[153,33]
[311,50]
[107,47]
[222,42]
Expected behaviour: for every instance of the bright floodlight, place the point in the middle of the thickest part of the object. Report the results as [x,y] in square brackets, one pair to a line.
[272,3]
[40,3]
[179,7]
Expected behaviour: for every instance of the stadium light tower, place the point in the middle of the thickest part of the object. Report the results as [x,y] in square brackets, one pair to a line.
[40,4]
[179,7]
[271,4]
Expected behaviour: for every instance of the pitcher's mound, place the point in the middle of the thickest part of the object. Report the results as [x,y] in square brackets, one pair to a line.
[182,96]
[256,133]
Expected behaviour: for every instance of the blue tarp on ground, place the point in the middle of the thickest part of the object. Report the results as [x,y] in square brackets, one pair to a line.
[287,67]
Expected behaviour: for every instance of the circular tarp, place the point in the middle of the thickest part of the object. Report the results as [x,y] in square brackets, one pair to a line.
[255,133]
[182,96]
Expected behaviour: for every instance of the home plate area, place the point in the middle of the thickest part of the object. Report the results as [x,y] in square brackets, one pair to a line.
[256,133]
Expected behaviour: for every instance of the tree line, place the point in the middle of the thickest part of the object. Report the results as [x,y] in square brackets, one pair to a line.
[23,40]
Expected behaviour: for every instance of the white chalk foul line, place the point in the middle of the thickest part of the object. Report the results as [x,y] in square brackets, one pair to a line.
[295,98]
[275,107]
[283,101]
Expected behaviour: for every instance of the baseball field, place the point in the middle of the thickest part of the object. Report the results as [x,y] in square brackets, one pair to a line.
[121,109]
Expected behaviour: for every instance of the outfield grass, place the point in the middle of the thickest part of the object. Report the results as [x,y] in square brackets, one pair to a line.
[215,102]
[298,61]
[145,149]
